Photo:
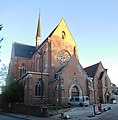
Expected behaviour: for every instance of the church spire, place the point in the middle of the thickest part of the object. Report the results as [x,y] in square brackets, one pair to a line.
[38,34]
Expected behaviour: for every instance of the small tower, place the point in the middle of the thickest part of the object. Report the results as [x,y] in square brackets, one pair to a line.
[38,34]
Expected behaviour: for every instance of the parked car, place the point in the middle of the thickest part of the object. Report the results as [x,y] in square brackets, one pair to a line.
[79,101]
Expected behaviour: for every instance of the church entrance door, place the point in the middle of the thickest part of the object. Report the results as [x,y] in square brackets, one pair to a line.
[75,91]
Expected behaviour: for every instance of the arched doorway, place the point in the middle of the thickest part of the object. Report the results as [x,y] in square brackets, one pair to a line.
[74,91]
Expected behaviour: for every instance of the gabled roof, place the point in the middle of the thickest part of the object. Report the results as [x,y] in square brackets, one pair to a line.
[22,50]
[91,70]
[42,44]
[62,68]
[71,60]
[55,28]
[46,40]
[53,31]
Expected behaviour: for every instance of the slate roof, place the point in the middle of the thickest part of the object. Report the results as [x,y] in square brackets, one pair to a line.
[27,51]
[22,50]
[91,70]
[48,36]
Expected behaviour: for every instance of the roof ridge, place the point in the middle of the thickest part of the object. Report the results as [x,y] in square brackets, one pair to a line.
[92,65]
[91,70]
[22,44]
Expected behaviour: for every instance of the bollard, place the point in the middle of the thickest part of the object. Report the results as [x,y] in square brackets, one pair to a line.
[99,107]
[62,115]
[44,112]
[94,109]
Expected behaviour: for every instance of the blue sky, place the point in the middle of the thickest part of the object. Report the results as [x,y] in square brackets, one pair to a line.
[93,24]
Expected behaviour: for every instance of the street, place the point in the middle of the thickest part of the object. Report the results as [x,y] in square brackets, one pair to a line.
[6,117]
[109,115]
[83,113]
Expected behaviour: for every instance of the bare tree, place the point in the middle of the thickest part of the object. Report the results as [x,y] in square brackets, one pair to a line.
[1,26]
[1,39]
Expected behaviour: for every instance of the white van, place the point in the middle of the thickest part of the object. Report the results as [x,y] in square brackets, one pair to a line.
[79,101]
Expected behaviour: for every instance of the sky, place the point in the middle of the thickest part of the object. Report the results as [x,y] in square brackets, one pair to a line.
[93,24]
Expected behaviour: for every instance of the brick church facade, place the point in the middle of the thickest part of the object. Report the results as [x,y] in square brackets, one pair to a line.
[50,71]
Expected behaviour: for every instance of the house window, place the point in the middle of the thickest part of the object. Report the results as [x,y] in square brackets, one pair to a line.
[22,69]
[39,88]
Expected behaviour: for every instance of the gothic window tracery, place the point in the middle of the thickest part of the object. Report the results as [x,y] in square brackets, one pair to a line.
[39,88]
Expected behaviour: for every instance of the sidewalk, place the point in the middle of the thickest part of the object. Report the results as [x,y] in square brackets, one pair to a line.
[72,113]
[25,117]
[77,113]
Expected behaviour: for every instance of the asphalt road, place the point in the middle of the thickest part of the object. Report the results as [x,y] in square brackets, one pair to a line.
[83,113]
[109,115]
[6,117]
[80,113]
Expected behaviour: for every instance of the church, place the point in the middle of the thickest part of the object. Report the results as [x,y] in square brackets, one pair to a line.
[50,70]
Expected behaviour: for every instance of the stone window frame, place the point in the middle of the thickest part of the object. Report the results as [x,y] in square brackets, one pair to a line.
[39,88]
[63,35]
[23,69]
[106,82]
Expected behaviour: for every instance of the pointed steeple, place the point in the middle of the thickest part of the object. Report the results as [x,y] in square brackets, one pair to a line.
[38,34]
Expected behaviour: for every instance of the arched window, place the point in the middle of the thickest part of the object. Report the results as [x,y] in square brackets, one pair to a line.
[75,91]
[44,63]
[39,88]
[37,65]
[63,35]
[22,69]
[106,82]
